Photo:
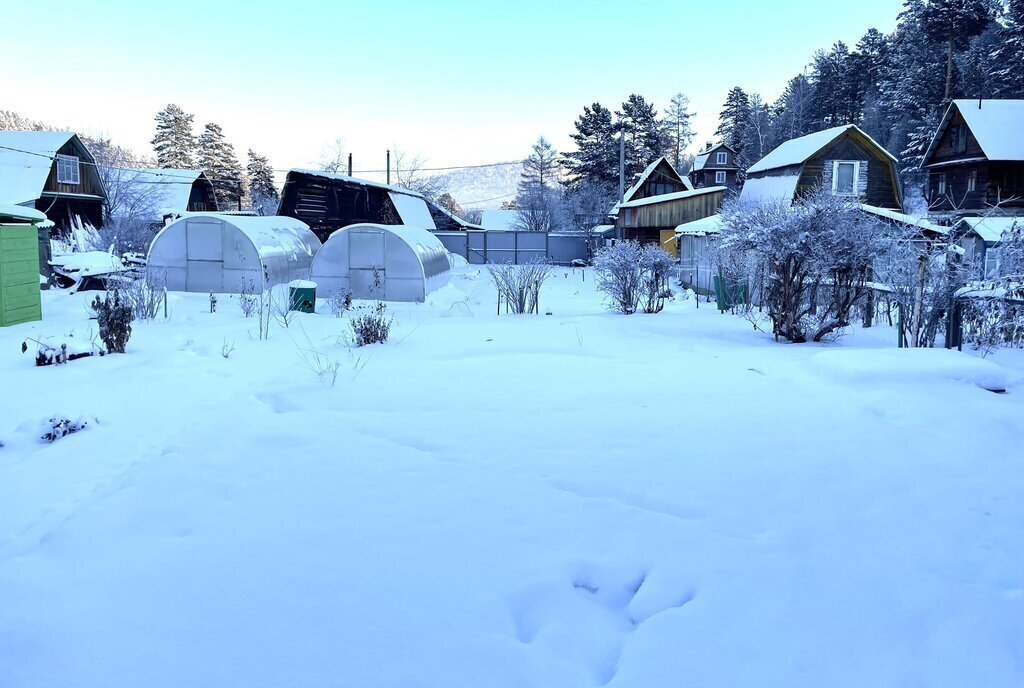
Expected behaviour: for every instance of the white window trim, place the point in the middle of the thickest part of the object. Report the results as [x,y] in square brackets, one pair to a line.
[77,177]
[835,176]
[972,180]
[720,177]
[942,184]
[721,158]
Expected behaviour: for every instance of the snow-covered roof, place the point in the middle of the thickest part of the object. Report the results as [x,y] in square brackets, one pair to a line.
[631,191]
[770,189]
[904,219]
[797,151]
[996,124]
[991,229]
[87,263]
[444,211]
[26,158]
[498,219]
[712,224]
[602,229]
[664,198]
[166,191]
[20,212]
[356,180]
[413,210]
[699,162]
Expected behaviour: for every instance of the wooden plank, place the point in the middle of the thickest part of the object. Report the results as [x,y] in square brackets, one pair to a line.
[21,315]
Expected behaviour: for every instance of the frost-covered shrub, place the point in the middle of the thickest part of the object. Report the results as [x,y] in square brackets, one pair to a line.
[993,314]
[339,301]
[247,299]
[373,327]
[145,295]
[114,317]
[808,263]
[618,275]
[58,427]
[519,285]
[655,269]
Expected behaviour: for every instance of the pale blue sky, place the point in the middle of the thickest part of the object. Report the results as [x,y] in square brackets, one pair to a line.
[457,82]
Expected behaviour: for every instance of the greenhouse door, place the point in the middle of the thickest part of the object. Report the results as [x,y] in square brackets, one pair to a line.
[205,253]
[366,264]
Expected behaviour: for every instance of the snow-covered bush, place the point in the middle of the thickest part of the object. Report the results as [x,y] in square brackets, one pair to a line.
[373,327]
[809,263]
[60,350]
[58,427]
[114,317]
[633,275]
[992,314]
[145,295]
[339,301]
[247,300]
[618,275]
[519,285]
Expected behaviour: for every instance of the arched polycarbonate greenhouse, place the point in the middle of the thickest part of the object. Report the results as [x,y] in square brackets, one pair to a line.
[389,262]
[210,252]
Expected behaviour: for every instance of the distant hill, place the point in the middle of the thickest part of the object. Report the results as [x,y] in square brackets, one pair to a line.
[491,185]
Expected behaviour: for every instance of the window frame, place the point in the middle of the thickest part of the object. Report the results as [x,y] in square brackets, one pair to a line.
[720,177]
[942,185]
[835,177]
[972,181]
[722,158]
[960,138]
[64,163]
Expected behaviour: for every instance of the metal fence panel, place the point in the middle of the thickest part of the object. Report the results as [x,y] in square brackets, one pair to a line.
[563,249]
[519,247]
[477,246]
[454,242]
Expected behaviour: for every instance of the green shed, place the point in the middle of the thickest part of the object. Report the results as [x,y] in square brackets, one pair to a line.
[19,264]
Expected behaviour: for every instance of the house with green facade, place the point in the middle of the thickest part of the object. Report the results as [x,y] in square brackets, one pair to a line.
[19,264]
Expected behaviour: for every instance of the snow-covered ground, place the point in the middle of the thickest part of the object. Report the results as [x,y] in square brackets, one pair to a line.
[574,499]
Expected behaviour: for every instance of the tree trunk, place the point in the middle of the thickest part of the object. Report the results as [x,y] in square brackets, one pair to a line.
[949,67]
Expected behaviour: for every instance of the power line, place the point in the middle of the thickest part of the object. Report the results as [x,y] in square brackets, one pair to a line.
[432,169]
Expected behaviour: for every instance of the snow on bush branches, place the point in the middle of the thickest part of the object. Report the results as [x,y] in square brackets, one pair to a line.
[634,275]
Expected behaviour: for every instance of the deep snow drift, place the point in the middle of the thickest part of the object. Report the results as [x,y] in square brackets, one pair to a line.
[575,499]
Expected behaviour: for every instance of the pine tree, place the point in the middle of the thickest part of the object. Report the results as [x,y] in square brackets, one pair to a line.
[678,124]
[537,199]
[262,190]
[732,121]
[952,23]
[174,142]
[596,158]
[793,111]
[645,137]
[1008,56]
[757,134]
[217,158]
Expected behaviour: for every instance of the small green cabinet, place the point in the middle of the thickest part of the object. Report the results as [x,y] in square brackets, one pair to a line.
[19,274]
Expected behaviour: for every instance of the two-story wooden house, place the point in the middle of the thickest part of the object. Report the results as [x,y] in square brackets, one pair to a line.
[54,172]
[843,160]
[975,161]
[716,166]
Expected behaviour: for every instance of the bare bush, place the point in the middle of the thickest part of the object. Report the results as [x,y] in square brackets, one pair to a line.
[655,269]
[372,327]
[146,295]
[519,285]
[339,301]
[634,276]
[247,299]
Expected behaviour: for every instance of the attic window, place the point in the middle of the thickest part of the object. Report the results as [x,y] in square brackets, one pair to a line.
[960,138]
[722,158]
[844,177]
[67,169]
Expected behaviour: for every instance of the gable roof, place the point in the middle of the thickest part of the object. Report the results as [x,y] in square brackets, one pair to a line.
[996,124]
[990,229]
[665,198]
[699,162]
[354,180]
[26,158]
[648,172]
[165,189]
[798,151]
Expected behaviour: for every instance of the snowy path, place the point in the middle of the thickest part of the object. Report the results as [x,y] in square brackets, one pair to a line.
[570,500]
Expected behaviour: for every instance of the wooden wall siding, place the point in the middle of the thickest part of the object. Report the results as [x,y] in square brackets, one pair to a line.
[19,274]
[202,197]
[828,168]
[662,175]
[88,176]
[998,183]
[876,184]
[944,149]
[671,214]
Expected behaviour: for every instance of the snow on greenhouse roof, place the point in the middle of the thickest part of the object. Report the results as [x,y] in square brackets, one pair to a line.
[769,189]
[25,161]
[991,229]
[20,212]
[996,124]
[797,151]
[664,198]
[711,224]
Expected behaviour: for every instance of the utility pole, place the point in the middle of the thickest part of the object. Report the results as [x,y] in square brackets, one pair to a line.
[389,165]
[622,166]
[350,164]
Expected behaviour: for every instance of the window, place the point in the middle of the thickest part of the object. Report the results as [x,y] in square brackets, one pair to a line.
[844,177]
[972,180]
[67,169]
[628,220]
[960,138]
[992,265]
[942,185]
[722,158]
[720,177]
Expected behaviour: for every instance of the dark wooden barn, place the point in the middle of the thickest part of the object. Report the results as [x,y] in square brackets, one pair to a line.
[54,172]
[716,166]
[327,202]
[975,161]
[843,160]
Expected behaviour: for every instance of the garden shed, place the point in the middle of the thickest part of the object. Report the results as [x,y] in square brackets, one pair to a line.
[211,252]
[388,262]
[19,264]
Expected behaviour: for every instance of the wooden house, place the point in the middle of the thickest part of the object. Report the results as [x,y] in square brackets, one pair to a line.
[716,166]
[327,202]
[51,171]
[843,159]
[653,219]
[659,184]
[975,161]
[981,236]
[154,194]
